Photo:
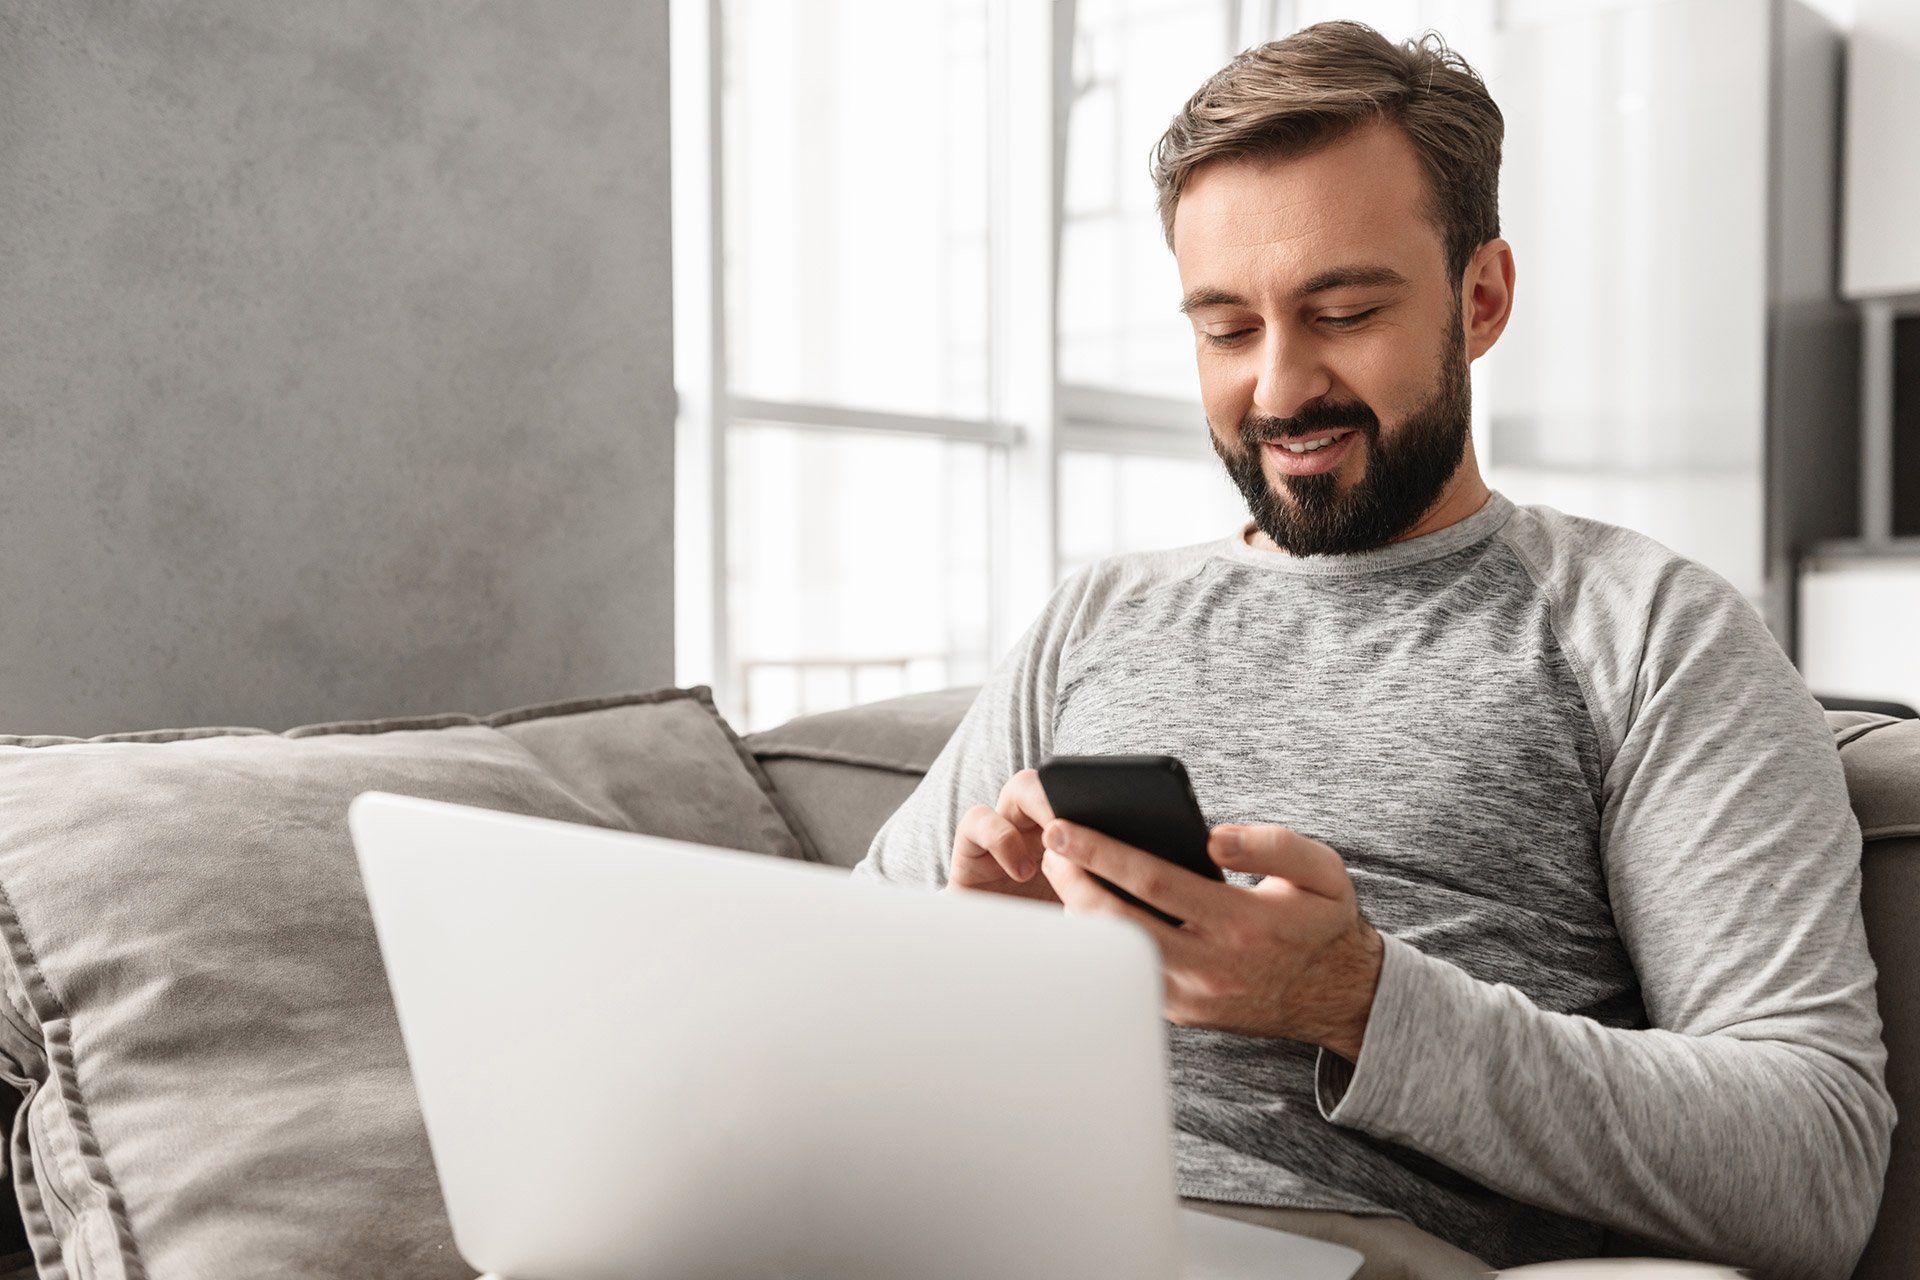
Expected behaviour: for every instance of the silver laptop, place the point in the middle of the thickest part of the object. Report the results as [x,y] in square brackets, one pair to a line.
[640,1057]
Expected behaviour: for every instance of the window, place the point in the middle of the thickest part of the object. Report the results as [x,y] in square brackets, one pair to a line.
[1135,62]
[927,333]
[1116,502]
[844,451]
[1136,471]
[856,236]
[857,566]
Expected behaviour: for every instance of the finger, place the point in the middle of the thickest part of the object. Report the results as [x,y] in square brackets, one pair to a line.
[1023,802]
[1081,894]
[1175,890]
[1277,851]
[987,846]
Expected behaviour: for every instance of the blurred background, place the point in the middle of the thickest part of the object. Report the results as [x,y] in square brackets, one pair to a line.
[930,361]
[411,356]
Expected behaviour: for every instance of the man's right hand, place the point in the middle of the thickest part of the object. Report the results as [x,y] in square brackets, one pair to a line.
[996,848]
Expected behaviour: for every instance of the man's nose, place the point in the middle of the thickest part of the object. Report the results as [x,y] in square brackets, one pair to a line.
[1292,375]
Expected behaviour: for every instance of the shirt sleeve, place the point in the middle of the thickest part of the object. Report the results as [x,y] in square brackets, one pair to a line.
[1750,1122]
[1008,728]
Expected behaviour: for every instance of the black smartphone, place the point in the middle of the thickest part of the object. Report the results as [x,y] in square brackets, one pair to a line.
[1145,801]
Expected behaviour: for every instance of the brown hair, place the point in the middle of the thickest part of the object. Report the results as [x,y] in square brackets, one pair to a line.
[1293,96]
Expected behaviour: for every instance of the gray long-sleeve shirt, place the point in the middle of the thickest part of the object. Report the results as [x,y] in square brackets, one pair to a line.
[1603,829]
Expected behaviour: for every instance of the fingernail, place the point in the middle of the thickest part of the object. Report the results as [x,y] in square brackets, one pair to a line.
[1229,840]
[1056,836]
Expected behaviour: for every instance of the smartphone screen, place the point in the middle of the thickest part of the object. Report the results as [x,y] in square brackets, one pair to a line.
[1144,801]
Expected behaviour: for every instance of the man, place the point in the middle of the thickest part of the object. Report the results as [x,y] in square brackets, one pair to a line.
[1559,930]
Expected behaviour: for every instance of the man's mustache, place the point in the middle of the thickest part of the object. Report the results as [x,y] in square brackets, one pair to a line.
[1257,429]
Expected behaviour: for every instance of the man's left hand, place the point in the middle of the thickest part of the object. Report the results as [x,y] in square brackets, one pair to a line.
[1292,956]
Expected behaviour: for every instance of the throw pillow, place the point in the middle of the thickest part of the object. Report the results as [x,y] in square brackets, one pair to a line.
[193,1005]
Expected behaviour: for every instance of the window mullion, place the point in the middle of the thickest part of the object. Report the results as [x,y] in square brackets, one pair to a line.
[846,418]
[1034,46]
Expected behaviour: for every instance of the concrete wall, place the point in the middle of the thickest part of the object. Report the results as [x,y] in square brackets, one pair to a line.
[335,375]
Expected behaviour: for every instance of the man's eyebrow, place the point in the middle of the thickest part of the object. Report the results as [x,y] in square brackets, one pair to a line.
[1336,278]
[1197,298]
[1354,278]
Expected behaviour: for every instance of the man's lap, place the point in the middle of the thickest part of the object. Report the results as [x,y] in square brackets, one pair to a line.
[1394,1248]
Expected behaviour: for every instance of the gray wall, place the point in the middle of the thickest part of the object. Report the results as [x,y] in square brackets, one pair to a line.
[336,372]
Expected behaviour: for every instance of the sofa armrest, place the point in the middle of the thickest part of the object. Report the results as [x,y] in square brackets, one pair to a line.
[1882,759]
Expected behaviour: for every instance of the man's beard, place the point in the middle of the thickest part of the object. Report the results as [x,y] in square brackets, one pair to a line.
[1403,479]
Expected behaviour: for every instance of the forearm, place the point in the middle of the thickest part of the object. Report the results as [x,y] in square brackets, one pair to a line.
[1756,1152]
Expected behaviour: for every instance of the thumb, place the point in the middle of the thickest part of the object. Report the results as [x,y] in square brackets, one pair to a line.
[1279,851]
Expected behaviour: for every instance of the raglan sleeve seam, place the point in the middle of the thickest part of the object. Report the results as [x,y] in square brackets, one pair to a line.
[1607,728]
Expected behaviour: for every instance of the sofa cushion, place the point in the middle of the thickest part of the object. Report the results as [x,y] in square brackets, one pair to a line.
[845,772]
[194,1007]
[1882,759]
[1882,756]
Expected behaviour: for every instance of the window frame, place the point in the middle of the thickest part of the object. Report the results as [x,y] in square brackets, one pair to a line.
[1032,416]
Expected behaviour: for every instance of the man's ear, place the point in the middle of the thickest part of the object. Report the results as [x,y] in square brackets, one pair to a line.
[1486,296]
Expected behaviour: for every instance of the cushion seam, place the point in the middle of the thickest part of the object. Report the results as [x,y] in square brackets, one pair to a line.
[40,994]
[497,720]
[378,725]
[809,852]
[583,706]
[1860,731]
[50,1187]
[832,755]
[33,1211]
[145,737]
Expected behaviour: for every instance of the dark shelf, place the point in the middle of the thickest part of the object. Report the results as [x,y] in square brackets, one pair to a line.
[1906,426]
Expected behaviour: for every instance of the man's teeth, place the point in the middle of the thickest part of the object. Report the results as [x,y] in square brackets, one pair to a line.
[1308,447]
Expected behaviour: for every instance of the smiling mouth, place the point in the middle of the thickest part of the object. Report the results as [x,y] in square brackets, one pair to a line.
[1312,444]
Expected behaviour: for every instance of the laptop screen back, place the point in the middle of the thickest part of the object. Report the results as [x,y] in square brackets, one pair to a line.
[642,1057]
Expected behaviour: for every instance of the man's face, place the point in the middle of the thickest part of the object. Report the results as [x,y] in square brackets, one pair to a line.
[1325,318]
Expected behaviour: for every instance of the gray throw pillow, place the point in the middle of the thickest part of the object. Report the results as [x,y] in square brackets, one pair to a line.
[194,1007]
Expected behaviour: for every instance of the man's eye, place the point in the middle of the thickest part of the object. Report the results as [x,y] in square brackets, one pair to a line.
[1225,339]
[1348,322]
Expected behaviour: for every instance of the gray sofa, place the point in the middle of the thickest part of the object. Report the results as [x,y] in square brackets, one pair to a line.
[193,1012]
[845,771]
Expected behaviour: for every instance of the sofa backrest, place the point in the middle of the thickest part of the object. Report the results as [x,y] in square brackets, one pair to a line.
[844,772]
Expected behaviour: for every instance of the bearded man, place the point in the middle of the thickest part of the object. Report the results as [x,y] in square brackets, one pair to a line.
[1541,933]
